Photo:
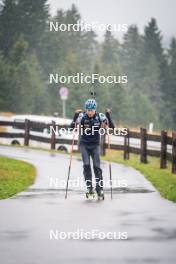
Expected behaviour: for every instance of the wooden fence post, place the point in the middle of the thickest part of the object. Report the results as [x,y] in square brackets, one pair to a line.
[26,132]
[143,151]
[103,142]
[126,153]
[174,152]
[53,137]
[163,153]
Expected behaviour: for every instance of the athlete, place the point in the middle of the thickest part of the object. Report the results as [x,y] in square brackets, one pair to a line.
[91,122]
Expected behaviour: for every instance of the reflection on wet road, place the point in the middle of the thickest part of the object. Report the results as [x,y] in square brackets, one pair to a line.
[27,218]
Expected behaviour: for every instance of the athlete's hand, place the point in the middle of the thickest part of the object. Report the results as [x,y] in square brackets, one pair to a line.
[78,111]
[108,110]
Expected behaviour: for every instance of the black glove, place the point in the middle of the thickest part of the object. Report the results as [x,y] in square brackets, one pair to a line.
[77,112]
[107,113]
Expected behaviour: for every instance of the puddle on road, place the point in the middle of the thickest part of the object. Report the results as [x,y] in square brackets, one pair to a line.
[125,260]
[131,190]
[154,238]
[165,233]
[14,234]
[38,192]
[144,260]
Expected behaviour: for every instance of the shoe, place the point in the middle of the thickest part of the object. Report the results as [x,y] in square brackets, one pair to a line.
[90,194]
[100,195]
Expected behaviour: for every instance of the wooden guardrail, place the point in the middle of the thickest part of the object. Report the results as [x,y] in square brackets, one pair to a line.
[144,151]
[142,135]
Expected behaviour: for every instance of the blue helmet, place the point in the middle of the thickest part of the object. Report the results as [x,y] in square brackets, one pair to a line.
[90,104]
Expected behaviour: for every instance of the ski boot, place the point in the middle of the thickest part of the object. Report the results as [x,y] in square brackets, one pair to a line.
[100,195]
[90,194]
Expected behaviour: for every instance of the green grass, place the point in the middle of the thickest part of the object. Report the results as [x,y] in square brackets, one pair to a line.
[15,176]
[162,179]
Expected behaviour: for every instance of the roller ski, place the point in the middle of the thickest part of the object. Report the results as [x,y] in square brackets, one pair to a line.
[90,195]
[100,195]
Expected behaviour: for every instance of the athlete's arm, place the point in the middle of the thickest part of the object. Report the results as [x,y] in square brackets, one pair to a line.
[103,119]
[106,119]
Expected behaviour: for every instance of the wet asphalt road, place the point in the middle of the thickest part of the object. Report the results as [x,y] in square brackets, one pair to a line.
[27,218]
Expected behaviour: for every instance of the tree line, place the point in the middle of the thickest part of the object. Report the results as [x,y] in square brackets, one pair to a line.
[29,52]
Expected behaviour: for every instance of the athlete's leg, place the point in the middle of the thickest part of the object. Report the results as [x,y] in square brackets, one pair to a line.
[86,166]
[95,154]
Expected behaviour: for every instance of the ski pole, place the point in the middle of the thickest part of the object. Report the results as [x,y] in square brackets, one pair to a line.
[69,168]
[110,173]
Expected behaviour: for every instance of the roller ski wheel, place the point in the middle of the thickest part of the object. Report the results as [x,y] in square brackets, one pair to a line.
[90,195]
[100,195]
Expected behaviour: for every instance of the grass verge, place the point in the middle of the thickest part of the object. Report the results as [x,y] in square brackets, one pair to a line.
[15,176]
[162,179]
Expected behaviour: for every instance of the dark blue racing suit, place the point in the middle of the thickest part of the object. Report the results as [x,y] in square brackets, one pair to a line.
[90,145]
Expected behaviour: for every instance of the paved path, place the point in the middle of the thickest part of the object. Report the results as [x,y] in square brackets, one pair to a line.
[27,218]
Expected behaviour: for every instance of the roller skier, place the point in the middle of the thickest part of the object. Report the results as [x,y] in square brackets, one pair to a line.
[89,119]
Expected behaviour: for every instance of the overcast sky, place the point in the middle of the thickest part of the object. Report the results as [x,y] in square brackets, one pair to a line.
[125,11]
